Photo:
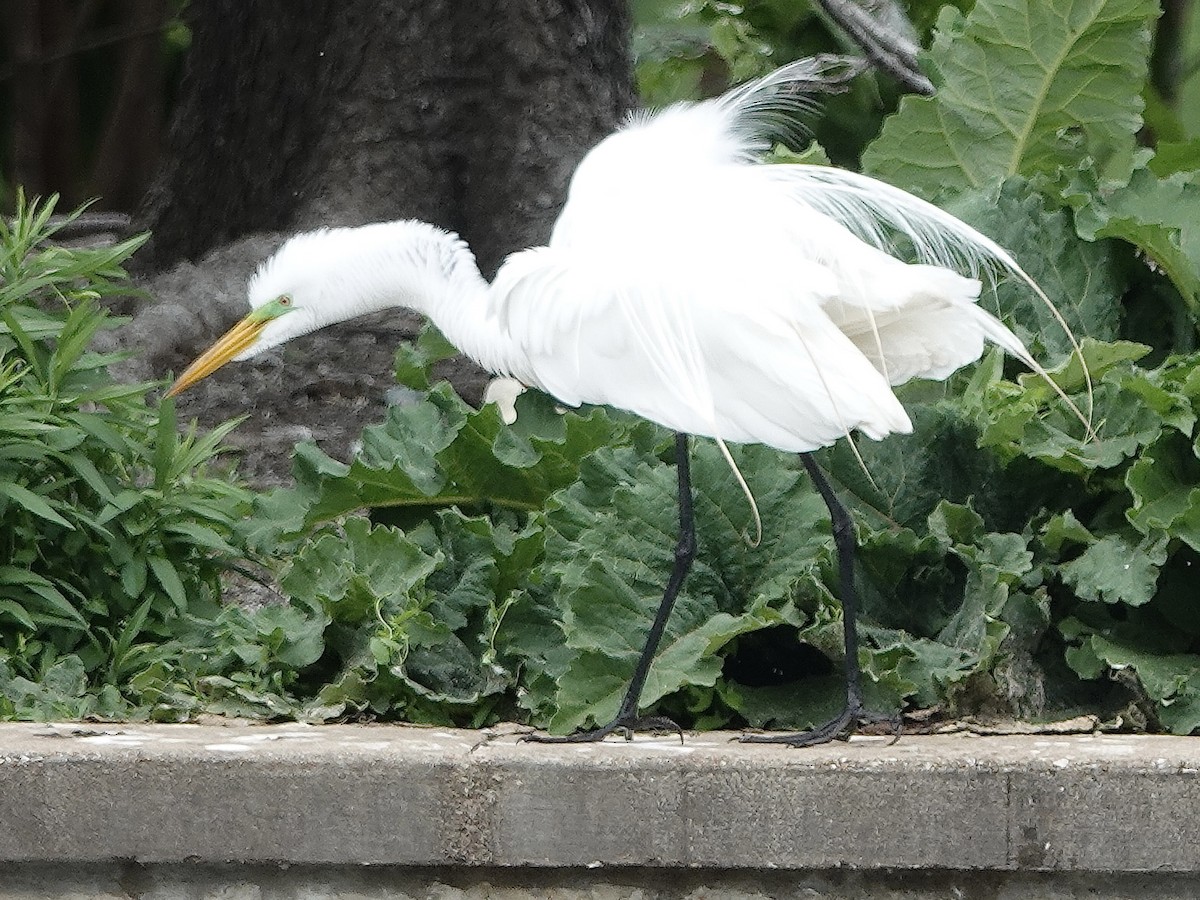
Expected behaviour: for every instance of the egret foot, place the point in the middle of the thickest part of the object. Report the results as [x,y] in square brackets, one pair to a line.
[853,713]
[624,725]
[840,727]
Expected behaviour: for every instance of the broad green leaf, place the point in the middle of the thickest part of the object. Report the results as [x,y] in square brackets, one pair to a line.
[15,611]
[50,597]
[133,576]
[612,549]
[1081,278]
[1171,679]
[1165,485]
[1171,157]
[415,359]
[899,481]
[1157,214]
[386,563]
[168,577]
[201,536]
[1020,84]
[295,639]
[440,453]
[410,616]
[1064,528]
[792,706]
[1027,421]
[1117,570]
[82,465]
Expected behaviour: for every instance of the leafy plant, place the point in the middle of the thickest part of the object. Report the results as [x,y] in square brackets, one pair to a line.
[109,524]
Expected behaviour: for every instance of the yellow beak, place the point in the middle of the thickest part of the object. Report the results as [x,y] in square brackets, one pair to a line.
[233,342]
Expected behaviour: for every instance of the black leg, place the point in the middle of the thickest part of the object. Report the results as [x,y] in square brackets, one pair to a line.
[627,721]
[853,712]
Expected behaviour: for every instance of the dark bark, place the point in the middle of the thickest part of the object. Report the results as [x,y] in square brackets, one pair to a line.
[467,115]
[45,104]
[543,81]
[248,117]
[24,47]
[128,147]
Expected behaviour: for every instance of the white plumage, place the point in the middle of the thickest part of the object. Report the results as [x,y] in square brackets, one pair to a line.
[687,282]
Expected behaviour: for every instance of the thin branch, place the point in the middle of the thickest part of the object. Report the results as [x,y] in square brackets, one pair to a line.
[105,38]
[1167,59]
[884,44]
[89,224]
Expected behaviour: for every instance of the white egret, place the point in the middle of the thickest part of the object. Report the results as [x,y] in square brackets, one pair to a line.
[691,284]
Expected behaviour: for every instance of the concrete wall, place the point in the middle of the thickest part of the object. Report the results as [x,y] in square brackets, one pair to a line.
[294,811]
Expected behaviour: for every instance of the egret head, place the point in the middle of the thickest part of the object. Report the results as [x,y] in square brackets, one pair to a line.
[313,280]
[334,274]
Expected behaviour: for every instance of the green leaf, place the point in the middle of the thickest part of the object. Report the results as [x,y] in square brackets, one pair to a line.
[1028,421]
[387,564]
[42,588]
[1173,680]
[611,550]
[1083,279]
[1163,483]
[1171,157]
[813,155]
[1117,570]
[296,639]
[33,503]
[165,443]
[440,453]
[201,536]
[133,576]
[1020,83]
[1154,213]
[77,331]
[17,613]
[86,469]
[907,476]
[414,360]
[1065,528]
[167,576]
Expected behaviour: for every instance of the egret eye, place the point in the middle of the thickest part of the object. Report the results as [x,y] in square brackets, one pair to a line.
[285,300]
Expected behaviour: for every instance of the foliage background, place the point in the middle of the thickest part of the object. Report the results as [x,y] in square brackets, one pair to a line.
[1010,565]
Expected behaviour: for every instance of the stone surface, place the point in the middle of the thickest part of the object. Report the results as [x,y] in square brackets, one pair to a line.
[148,796]
[200,882]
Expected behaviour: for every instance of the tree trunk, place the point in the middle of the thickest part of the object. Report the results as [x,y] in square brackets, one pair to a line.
[543,81]
[251,111]
[470,116]
[45,102]
[129,144]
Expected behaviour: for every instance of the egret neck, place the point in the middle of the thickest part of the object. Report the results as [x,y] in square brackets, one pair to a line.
[330,275]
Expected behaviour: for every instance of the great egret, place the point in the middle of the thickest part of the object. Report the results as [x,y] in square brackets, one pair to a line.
[688,283]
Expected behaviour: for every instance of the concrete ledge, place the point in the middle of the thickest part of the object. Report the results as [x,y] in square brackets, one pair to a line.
[399,796]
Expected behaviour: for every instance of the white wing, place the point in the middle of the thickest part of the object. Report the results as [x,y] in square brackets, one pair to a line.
[692,285]
[678,199]
[695,343]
